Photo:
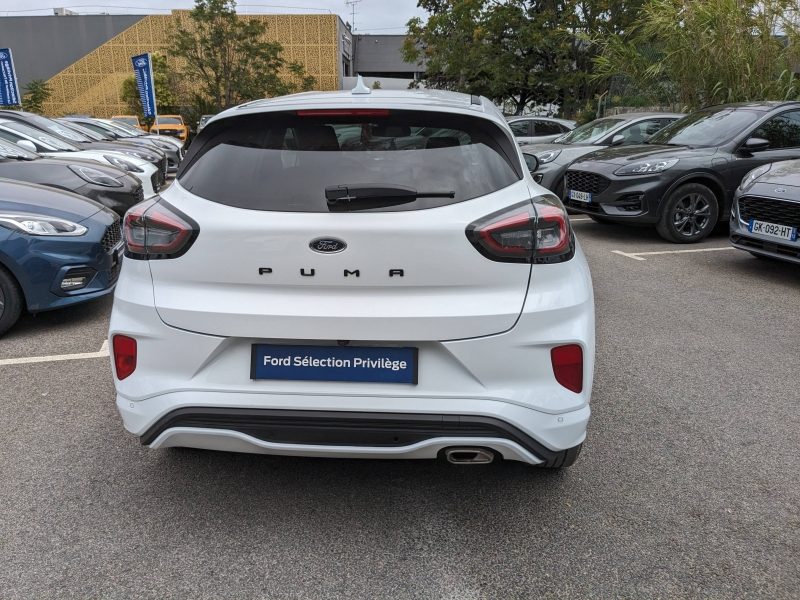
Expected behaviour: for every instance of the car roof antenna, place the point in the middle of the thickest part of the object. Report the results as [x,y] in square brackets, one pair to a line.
[360,87]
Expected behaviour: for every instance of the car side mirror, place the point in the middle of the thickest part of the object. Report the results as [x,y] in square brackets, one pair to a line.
[28,145]
[617,139]
[756,144]
[531,161]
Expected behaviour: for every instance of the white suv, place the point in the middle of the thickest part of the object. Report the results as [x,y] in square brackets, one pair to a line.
[356,274]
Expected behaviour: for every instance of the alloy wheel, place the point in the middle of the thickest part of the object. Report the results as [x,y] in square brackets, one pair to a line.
[691,215]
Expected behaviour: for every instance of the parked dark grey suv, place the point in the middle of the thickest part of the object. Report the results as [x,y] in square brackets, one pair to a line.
[683,178]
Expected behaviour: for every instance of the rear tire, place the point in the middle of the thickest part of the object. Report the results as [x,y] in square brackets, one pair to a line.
[11,300]
[689,215]
[563,459]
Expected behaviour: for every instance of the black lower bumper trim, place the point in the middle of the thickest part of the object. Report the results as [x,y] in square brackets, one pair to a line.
[774,249]
[333,428]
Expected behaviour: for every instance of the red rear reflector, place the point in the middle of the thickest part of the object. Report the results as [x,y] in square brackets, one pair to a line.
[124,356]
[344,112]
[568,366]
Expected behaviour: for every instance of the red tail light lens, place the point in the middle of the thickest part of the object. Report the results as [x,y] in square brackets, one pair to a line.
[124,356]
[156,230]
[506,236]
[534,231]
[568,366]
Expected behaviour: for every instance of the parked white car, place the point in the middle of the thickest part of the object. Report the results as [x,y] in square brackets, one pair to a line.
[356,274]
[538,130]
[38,141]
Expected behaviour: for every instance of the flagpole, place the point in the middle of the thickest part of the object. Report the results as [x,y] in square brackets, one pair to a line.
[155,100]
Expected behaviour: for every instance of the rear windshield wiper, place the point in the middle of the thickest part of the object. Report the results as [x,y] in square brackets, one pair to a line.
[363,196]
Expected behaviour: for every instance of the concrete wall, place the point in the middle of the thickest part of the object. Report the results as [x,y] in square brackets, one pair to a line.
[45,46]
[387,83]
[380,54]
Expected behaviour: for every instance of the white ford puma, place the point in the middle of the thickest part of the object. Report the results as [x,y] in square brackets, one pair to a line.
[356,274]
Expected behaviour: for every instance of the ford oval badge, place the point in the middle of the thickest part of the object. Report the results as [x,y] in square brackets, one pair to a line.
[327,245]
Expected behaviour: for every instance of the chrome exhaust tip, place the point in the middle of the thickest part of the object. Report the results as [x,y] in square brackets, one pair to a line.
[469,456]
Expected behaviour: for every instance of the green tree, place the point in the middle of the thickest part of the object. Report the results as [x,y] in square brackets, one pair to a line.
[515,51]
[694,53]
[165,83]
[37,92]
[228,58]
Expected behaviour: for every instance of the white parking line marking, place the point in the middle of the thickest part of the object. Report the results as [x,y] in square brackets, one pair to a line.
[638,255]
[579,220]
[102,353]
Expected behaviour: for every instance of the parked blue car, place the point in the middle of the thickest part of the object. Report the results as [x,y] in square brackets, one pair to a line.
[56,249]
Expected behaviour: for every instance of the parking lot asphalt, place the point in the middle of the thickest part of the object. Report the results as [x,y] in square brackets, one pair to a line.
[688,486]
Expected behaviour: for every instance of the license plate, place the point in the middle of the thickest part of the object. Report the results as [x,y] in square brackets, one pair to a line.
[580,196]
[334,363]
[783,232]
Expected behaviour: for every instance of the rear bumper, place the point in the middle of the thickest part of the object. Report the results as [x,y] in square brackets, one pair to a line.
[263,424]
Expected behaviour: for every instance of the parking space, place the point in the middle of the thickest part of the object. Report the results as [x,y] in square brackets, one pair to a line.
[687,487]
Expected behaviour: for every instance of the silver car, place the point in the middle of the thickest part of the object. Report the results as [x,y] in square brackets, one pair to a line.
[538,130]
[554,158]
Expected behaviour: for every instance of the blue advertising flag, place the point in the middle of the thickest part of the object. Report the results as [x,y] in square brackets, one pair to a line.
[9,91]
[143,70]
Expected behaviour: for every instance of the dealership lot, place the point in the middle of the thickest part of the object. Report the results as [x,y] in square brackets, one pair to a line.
[688,484]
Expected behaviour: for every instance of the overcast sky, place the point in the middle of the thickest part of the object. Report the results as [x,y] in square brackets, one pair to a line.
[380,16]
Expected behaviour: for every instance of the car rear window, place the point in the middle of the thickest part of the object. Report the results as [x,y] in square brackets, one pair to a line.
[284,161]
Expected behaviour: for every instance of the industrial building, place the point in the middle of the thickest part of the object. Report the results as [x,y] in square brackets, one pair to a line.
[85,58]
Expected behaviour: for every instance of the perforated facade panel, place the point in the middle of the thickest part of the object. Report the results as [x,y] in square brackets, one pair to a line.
[92,84]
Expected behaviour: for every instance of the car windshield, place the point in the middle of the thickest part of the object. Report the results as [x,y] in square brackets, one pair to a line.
[709,127]
[12,151]
[590,132]
[37,135]
[127,120]
[118,129]
[285,161]
[92,135]
[101,128]
[59,130]
[130,130]
[169,121]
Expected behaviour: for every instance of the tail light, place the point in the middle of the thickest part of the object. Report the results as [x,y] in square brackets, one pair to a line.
[568,366]
[534,231]
[157,230]
[124,356]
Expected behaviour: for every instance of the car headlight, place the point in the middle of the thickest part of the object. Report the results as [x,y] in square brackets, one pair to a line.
[94,176]
[546,157]
[123,164]
[142,155]
[642,168]
[164,145]
[752,176]
[41,225]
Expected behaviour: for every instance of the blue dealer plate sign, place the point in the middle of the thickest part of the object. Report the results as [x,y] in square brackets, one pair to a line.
[334,363]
